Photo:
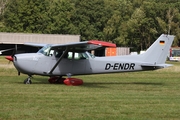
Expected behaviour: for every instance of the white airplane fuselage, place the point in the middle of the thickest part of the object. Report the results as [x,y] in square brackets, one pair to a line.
[39,64]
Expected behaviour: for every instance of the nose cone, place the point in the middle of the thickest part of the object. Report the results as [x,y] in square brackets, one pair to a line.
[24,63]
[10,58]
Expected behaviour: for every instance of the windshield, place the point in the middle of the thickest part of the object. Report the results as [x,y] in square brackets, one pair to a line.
[45,50]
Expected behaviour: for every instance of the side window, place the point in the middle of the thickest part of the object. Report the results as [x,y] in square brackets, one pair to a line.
[78,56]
[71,55]
[58,53]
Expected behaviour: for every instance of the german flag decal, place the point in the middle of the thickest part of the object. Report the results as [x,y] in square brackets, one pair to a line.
[161,42]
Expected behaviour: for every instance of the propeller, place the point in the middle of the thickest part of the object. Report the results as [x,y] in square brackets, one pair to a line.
[1,51]
[10,58]
[14,51]
[7,57]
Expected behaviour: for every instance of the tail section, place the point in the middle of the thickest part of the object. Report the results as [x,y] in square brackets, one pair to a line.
[158,51]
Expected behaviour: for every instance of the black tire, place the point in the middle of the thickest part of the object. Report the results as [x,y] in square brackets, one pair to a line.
[27,81]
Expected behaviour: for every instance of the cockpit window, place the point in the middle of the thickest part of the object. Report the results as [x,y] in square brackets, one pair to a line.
[57,52]
[77,55]
[45,50]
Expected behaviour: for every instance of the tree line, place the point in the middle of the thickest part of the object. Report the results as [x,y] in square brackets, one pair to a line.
[133,23]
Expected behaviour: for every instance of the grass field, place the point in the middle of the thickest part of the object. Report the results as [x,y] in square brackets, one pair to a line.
[152,95]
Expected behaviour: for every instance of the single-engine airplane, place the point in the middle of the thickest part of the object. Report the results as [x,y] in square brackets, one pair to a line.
[57,60]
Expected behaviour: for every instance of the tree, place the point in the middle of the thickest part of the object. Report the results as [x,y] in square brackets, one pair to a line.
[2,8]
[60,15]
[28,16]
[116,28]
[90,18]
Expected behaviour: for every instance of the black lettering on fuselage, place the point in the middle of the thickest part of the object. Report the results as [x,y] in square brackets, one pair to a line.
[120,66]
[132,66]
[115,66]
[108,66]
[126,66]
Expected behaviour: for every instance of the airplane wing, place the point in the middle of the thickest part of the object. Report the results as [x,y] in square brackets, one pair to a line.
[35,44]
[86,45]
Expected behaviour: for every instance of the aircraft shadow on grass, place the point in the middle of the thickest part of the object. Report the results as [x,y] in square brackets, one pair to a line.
[99,84]
[105,84]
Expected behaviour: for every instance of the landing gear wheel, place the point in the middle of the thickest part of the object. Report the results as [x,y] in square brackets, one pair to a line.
[27,81]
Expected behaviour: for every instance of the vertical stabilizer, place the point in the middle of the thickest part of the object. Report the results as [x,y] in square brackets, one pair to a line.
[157,53]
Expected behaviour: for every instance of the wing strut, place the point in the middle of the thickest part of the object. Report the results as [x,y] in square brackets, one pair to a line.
[59,60]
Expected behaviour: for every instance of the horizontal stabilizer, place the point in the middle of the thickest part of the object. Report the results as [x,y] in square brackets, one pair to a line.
[156,66]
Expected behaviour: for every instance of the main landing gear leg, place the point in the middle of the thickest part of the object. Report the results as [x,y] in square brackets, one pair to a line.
[28,80]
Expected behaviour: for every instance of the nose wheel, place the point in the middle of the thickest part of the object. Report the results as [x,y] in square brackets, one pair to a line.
[27,80]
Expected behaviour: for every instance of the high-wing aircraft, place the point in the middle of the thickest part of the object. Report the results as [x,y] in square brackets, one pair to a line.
[57,60]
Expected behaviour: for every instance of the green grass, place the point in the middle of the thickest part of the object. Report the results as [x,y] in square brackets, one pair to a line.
[153,95]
